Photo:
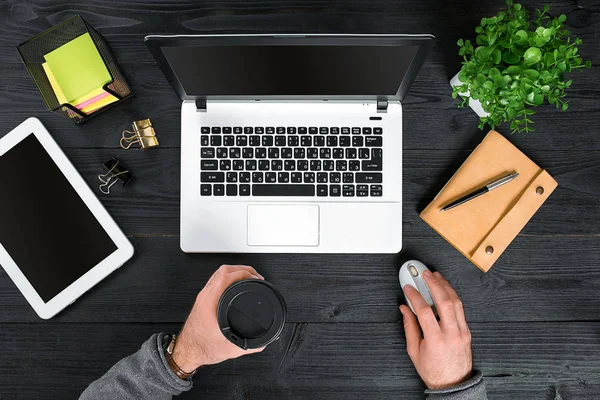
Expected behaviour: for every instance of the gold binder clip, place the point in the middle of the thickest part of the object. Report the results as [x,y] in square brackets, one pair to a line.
[143,133]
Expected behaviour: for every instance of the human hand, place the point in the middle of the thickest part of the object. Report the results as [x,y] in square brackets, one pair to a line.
[200,341]
[442,355]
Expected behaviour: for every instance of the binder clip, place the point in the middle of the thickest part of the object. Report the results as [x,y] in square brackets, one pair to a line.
[115,172]
[143,134]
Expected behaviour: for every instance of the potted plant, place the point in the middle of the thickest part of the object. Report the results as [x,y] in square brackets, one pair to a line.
[518,63]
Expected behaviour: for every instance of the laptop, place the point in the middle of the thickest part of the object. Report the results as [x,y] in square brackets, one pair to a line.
[291,143]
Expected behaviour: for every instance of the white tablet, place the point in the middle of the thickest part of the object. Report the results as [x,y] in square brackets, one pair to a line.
[56,239]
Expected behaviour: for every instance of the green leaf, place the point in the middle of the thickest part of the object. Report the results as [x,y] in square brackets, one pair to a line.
[497,54]
[545,88]
[533,55]
[510,58]
[494,72]
[520,37]
[460,42]
[548,32]
[479,29]
[532,74]
[562,18]
[538,99]
[517,6]
[546,8]
[549,59]
[513,70]
[565,106]
[588,64]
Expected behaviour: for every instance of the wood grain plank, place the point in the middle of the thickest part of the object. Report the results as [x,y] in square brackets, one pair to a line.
[311,361]
[539,278]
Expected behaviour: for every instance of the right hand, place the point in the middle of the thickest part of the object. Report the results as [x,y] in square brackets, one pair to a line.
[200,341]
[442,355]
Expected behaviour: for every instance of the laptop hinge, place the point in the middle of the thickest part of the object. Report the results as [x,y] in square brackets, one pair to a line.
[201,105]
[382,106]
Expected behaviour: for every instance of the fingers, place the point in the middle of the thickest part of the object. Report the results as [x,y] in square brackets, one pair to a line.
[458,306]
[425,314]
[412,331]
[443,302]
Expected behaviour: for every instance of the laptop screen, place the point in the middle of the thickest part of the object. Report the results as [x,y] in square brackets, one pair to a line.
[299,70]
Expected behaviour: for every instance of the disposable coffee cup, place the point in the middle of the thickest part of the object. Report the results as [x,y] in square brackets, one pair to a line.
[251,314]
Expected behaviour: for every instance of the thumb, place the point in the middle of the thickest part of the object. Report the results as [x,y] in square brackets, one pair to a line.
[412,332]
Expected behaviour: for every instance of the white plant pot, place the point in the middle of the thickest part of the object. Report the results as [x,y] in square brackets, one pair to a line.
[474,104]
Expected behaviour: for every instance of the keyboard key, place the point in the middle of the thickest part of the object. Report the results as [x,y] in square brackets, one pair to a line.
[345,141]
[351,153]
[311,152]
[354,165]
[276,165]
[322,177]
[248,130]
[231,190]
[376,190]
[348,190]
[225,165]
[244,190]
[264,165]
[215,141]
[270,130]
[335,177]
[283,177]
[241,141]
[362,187]
[286,152]
[293,141]
[296,177]
[372,165]
[291,130]
[271,177]
[244,177]
[313,130]
[328,165]
[357,141]
[289,165]
[235,152]
[283,190]
[280,130]
[362,193]
[348,177]
[376,177]
[260,152]
[209,165]
[341,165]
[237,130]
[259,130]
[216,129]
[204,140]
[374,141]
[302,130]
[248,152]
[280,141]
[364,154]
[345,131]
[319,141]
[356,131]
[222,152]
[302,165]
[332,141]
[257,177]
[378,131]
[255,140]
[267,141]
[315,165]
[367,131]
[335,190]
[376,153]
[309,177]
[219,190]
[232,177]
[325,153]
[238,165]
[339,153]
[334,131]
[207,152]
[212,177]
[323,130]
[205,129]
[306,141]
[251,165]
[299,152]
[227,130]
[205,190]
[321,190]
[273,152]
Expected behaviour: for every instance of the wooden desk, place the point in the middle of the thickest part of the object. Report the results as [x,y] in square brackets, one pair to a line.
[535,316]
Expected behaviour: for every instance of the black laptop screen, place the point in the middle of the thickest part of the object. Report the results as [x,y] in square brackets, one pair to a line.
[290,70]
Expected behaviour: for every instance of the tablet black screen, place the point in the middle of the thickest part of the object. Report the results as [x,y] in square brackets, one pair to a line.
[44,225]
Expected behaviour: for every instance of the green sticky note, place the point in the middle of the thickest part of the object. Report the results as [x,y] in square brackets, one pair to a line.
[78,67]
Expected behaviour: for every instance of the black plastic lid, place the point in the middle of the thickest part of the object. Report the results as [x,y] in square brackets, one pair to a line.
[251,313]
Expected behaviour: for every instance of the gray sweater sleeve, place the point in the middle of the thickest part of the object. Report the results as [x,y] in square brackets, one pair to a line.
[473,389]
[143,375]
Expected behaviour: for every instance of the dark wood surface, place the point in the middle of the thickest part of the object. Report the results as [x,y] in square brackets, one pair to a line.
[535,316]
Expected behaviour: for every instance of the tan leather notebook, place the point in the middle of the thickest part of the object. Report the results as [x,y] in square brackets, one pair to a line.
[483,228]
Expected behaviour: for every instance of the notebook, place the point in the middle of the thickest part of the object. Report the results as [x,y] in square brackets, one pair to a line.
[482,228]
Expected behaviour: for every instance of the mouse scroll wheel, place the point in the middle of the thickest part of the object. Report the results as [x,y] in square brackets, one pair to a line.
[413,270]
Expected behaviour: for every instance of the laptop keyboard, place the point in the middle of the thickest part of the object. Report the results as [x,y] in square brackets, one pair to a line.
[291,161]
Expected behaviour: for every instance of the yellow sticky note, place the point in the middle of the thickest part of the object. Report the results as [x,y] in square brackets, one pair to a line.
[60,96]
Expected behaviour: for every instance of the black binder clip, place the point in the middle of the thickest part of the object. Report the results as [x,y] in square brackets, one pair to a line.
[115,172]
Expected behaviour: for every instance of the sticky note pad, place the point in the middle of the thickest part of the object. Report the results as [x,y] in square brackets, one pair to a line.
[78,68]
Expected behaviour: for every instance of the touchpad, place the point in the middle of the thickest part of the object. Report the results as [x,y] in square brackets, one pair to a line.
[283,225]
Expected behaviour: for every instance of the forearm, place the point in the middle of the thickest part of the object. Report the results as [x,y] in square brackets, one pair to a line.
[143,375]
[473,389]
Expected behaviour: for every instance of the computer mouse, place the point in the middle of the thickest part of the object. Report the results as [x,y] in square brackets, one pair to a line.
[411,273]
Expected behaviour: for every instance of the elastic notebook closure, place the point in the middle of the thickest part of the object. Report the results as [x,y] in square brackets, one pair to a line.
[513,221]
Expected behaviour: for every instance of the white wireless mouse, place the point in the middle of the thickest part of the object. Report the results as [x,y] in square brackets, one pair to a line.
[411,273]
